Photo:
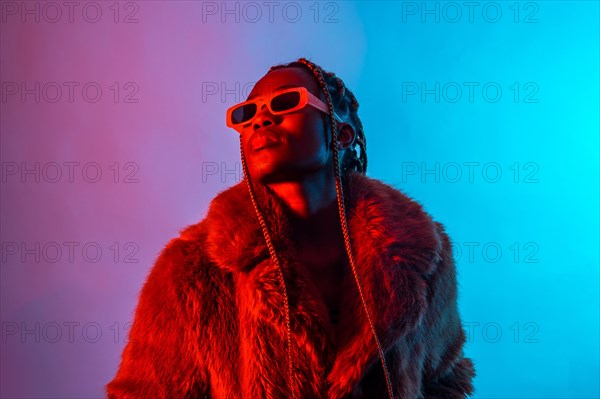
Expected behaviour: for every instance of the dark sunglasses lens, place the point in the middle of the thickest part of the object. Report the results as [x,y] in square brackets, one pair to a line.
[285,101]
[243,113]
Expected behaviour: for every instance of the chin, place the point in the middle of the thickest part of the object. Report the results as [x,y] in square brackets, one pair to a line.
[276,169]
[272,174]
[262,172]
[271,177]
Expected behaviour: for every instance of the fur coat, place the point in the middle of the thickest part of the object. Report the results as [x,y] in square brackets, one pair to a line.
[210,322]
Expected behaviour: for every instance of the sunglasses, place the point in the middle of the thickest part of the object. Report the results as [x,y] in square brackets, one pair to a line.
[278,103]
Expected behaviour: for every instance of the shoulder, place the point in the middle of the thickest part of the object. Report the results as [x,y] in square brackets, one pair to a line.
[367,190]
[390,215]
[183,266]
[414,212]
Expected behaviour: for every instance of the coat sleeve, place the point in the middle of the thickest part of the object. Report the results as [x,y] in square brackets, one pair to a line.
[160,357]
[448,373]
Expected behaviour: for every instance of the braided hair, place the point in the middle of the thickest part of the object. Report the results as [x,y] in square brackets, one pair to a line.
[345,105]
[341,100]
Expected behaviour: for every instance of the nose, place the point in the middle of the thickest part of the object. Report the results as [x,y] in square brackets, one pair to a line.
[263,118]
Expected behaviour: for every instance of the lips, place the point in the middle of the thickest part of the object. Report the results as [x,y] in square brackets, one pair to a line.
[263,140]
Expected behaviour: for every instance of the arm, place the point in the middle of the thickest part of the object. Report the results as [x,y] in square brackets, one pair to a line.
[159,358]
[448,374]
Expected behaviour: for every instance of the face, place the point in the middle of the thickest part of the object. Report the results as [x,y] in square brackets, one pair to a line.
[296,140]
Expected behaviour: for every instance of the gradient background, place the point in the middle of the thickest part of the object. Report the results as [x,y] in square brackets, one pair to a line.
[524,223]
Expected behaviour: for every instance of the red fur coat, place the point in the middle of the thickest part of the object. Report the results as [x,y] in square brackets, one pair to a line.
[210,322]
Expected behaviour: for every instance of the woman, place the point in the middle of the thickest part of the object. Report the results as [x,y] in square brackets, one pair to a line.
[307,279]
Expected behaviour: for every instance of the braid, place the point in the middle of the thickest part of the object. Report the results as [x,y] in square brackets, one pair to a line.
[361,140]
[318,72]
[341,87]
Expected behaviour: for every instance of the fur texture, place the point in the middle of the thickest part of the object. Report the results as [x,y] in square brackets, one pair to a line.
[210,322]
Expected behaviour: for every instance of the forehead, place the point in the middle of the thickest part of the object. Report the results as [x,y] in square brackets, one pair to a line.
[292,77]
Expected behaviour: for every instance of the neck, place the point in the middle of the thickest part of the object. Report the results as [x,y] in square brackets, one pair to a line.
[308,196]
[313,204]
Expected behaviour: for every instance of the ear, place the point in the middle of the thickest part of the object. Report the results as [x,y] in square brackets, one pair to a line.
[346,135]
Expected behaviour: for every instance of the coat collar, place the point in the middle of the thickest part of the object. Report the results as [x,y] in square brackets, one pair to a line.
[395,243]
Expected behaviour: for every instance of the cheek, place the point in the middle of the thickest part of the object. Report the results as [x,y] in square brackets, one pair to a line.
[305,132]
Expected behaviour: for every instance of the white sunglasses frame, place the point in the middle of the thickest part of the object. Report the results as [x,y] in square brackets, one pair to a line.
[306,98]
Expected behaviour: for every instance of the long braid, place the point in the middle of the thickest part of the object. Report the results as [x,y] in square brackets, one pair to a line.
[361,139]
[316,70]
[275,258]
